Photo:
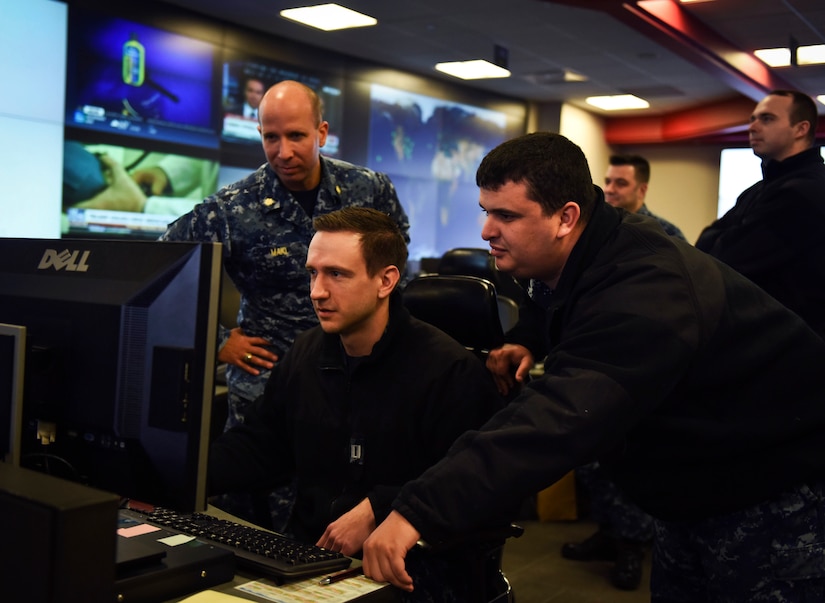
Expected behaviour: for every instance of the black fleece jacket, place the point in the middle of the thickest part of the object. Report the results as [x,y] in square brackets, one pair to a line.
[403,406]
[775,235]
[700,392]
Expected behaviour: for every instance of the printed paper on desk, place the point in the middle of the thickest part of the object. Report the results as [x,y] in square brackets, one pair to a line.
[309,591]
[212,596]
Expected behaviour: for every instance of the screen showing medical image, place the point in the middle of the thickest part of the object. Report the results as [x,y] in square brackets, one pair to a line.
[128,78]
[244,82]
[129,192]
[431,148]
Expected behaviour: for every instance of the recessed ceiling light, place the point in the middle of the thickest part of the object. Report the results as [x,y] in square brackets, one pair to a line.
[328,17]
[617,102]
[473,70]
[774,57]
[811,55]
[572,76]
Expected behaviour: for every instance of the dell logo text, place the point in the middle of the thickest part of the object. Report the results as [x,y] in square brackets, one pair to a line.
[72,261]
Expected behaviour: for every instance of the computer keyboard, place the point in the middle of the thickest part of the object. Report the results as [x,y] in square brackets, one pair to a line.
[265,553]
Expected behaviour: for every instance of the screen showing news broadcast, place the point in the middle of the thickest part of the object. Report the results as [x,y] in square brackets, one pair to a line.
[128,78]
[244,82]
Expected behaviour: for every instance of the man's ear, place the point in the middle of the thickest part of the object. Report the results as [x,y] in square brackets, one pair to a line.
[801,128]
[569,215]
[389,280]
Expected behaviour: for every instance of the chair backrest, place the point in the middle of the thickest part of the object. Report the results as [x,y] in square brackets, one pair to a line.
[476,261]
[464,307]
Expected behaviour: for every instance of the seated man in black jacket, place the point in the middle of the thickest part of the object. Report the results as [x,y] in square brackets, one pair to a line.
[700,394]
[360,404]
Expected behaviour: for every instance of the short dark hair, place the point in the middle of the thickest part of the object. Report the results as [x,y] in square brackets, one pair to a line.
[641,166]
[803,108]
[553,168]
[382,242]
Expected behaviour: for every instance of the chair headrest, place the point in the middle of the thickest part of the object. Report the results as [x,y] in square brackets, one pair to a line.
[464,307]
[476,261]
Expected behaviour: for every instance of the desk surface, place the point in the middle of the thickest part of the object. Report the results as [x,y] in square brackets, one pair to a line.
[385,594]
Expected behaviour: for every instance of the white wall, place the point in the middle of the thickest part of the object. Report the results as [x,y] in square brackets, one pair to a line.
[684,184]
[33,72]
[587,131]
[684,178]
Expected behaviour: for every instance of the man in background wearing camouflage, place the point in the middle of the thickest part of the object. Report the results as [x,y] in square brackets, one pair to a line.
[264,222]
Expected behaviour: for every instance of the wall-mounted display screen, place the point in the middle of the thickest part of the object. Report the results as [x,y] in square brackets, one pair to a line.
[128,78]
[111,190]
[431,148]
[244,82]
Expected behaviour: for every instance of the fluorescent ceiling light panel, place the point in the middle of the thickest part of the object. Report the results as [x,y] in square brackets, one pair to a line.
[781,57]
[774,57]
[473,70]
[572,76]
[811,55]
[328,17]
[617,102]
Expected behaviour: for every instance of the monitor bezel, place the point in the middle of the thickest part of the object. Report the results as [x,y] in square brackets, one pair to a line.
[17,334]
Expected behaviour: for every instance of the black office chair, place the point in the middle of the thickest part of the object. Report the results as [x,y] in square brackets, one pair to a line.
[464,307]
[475,261]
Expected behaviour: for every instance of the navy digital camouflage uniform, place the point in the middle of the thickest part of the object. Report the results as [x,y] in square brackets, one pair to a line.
[265,235]
[668,227]
[760,556]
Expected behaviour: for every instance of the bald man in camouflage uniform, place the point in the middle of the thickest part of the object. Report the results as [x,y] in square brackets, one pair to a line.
[264,222]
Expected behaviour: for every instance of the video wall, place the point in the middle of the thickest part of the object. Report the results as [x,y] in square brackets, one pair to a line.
[159,111]
[152,115]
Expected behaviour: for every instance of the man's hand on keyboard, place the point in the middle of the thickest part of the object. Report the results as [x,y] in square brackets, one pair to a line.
[347,533]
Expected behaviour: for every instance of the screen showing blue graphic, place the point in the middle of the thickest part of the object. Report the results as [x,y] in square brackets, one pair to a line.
[132,79]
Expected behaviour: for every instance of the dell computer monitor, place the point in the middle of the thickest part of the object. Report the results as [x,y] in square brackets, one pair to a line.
[120,341]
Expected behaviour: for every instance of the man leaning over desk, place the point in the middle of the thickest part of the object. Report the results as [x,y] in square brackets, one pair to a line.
[701,395]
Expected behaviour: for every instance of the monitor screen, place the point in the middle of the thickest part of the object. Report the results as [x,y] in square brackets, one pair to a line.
[245,79]
[431,149]
[118,191]
[12,358]
[132,79]
[119,363]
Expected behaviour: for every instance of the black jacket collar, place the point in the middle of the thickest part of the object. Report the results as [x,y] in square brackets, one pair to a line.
[774,169]
[603,221]
[332,354]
